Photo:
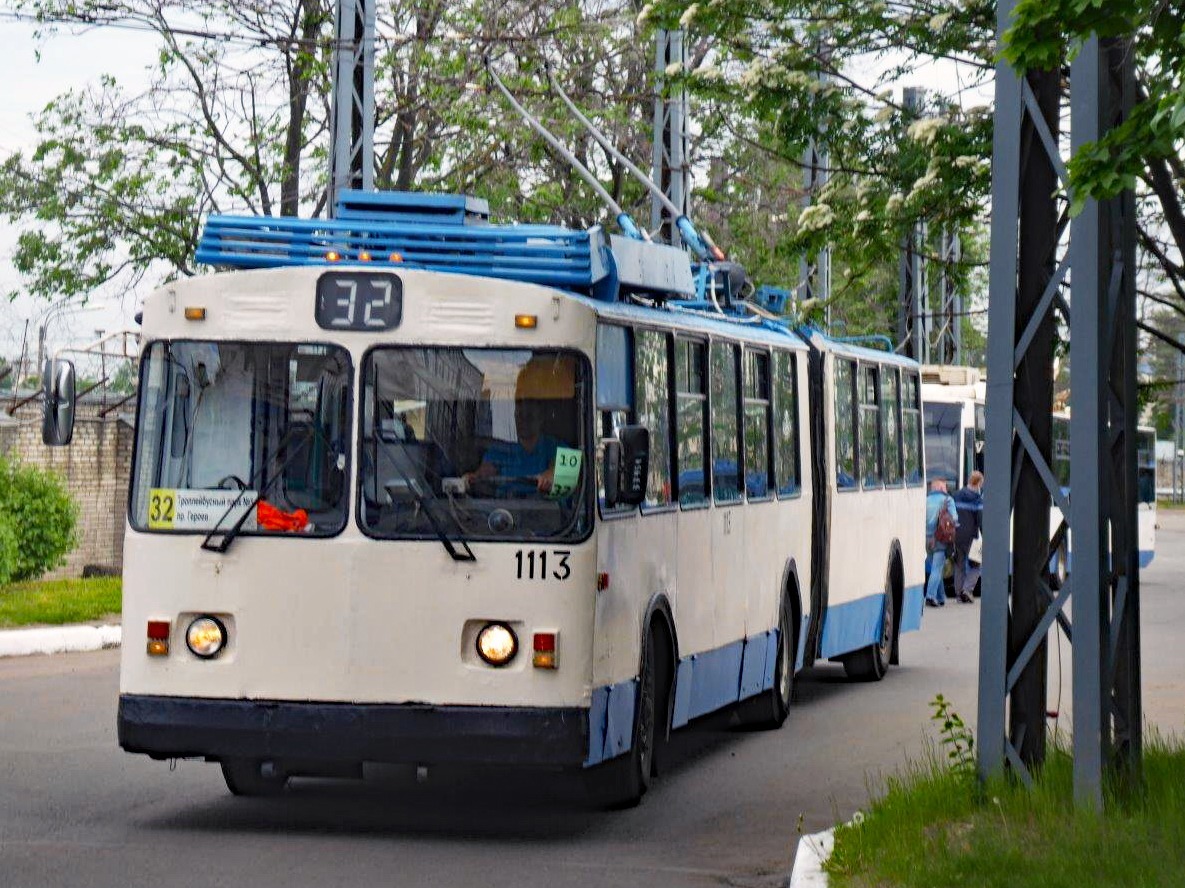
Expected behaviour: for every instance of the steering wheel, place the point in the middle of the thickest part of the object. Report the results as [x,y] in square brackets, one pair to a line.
[241,484]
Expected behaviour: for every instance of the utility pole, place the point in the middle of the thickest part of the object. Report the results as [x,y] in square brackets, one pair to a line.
[671,171]
[352,127]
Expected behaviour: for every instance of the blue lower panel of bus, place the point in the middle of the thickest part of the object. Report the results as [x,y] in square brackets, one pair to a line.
[912,607]
[852,625]
[704,682]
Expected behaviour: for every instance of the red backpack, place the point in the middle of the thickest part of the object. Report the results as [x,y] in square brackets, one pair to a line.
[944,531]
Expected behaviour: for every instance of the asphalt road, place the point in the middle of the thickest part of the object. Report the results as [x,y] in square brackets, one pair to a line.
[75,810]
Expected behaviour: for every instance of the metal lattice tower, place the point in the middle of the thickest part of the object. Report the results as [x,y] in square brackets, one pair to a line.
[947,345]
[671,171]
[352,127]
[913,317]
[1027,276]
[815,272]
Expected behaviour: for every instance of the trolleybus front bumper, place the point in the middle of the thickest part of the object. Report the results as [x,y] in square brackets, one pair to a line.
[187,727]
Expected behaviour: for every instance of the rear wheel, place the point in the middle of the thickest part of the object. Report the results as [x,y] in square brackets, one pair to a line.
[253,777]
[871,663]
[768,709]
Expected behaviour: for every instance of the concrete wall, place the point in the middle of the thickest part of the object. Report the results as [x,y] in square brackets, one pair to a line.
[96,467]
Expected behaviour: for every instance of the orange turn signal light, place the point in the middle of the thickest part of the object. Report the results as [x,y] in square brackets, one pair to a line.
[526,322]
[546,650]
[158,637]
[395,257]
[364,256]
[195,313]
[333,256]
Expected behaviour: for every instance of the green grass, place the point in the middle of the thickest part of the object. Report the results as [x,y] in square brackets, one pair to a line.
[936,828]
[54,602]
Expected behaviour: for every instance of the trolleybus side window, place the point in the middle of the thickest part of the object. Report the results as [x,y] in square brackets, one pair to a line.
[475,443]
[785,391]
[911,420]
[758,412]
[845,424]
[252,431]
[891,417]
[870,426]
[652,397]
[691,397]
[615,397]
[726,468]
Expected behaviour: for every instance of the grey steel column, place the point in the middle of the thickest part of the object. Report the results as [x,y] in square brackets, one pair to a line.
[998,438]
[1107,701]
[352,125]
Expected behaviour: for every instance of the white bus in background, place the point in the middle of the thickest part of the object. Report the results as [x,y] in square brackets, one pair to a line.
[954,400]
[344,547]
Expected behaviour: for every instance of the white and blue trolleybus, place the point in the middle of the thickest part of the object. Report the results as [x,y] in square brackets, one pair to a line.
[413,487]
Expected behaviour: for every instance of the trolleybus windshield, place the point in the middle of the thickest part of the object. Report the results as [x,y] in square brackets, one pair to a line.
[253,431]
[495,438]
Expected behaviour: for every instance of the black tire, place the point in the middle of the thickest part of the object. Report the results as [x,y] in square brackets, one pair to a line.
[245,777]
[622,783]
[871,663]
[768,710]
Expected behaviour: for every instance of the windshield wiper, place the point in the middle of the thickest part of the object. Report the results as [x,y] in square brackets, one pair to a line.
[229,535]
[422,502]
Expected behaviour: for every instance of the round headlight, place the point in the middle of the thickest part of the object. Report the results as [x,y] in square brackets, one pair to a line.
[206,637]
[497,644]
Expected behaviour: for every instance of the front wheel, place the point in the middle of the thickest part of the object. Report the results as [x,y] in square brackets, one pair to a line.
[871,663]
[252,777]
[622,783]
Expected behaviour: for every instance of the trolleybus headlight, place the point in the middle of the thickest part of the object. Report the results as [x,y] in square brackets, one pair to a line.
[497,644]
[206,637]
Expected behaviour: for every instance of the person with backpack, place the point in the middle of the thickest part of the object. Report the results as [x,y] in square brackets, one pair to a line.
[942,522]
[969,503]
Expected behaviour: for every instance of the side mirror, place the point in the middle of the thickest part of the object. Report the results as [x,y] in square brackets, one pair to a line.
[612,469]
[633,464]
[57,418]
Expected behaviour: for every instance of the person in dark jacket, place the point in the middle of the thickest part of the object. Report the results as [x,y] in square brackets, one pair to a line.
[969,503]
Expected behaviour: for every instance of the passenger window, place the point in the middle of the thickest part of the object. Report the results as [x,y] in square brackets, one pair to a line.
[870,425]
[725,453]
[758,464]
[911,420]
[652,399]
[691,426]
[891,423]
[786,423]
[845,424]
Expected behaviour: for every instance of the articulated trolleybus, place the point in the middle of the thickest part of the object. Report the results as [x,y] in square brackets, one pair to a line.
[412,487]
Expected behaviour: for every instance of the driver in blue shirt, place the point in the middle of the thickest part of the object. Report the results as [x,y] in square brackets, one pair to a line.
[529,461]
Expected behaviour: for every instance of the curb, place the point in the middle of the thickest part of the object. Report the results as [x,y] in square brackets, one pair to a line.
[808,862]
[58,639]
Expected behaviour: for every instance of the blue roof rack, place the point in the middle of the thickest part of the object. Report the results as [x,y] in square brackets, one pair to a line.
[437,232]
